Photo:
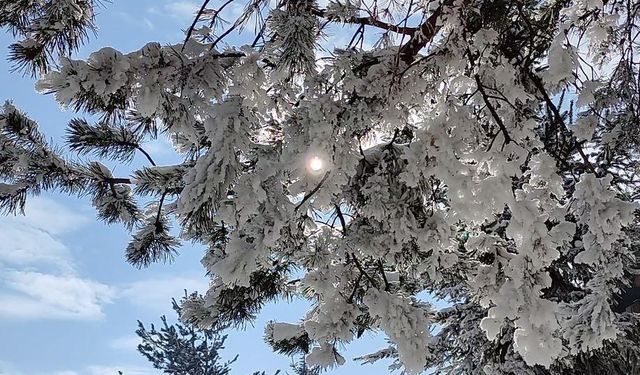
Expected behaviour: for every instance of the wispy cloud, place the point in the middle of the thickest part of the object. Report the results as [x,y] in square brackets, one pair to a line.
[24,245]
[34,295]
[182,9]
[156,294]
[38,275]
[136,20]
[162,149]
[51,216]
[40,280]
[33,239]
[7,368]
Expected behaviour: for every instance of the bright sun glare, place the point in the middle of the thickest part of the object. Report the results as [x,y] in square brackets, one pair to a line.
[315,164]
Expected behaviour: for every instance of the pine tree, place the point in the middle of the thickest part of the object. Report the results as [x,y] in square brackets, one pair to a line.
[180,349]
[46,29]
[301,368]
[482,151]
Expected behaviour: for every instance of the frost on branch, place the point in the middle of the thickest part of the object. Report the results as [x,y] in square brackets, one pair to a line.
[103,140]
[471,151]
[287,338]
[113,201]
[29,165]
[46,29]
[603,217]
[406,325]
[152,242]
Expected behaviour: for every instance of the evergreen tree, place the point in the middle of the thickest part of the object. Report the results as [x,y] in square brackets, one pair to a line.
[301,368]
[180,349]
[482,151]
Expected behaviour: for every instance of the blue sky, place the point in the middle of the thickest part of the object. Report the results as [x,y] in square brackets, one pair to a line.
[68,300]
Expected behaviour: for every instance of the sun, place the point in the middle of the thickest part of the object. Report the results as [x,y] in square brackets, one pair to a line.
[316,164]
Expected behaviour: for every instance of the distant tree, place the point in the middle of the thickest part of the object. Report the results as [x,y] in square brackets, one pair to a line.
[181,349]
[301,367]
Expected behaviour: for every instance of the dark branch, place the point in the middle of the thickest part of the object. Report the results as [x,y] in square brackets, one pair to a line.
[118,180]
[387,286]
[355,288]
[537,82]
[312,192]
[362,271]
[343,222]
[423,36]
[367,21]
[195,22]
[496,117]
[146,155]
[159,213]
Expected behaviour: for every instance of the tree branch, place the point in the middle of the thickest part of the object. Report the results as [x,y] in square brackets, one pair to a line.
[157,223]
[496,117]
[118,180]
[312,192]
[367,21]
[537,82]
[387,286]
[195,22]
[355,288]
[139,148]
[343,222]
[359,266]
[423,36]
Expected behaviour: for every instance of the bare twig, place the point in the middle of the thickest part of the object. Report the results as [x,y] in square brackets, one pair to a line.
[355,288]
[157,223]
[118,180]
[340,216]
[146,154]
[387,286]
[359,266]
[312,192]
[195,22]
[494,114]
[537,82]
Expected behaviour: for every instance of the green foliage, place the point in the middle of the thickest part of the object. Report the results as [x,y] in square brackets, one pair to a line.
[180,349]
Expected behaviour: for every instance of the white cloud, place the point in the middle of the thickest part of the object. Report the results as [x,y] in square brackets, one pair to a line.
[135,20]
[31,243]
[51,216]
[35,295]
[39,280]
[127,343]
[147,22]
[32,239]
[7,368]
[23,245]
[157,293]
[187,10]
[182,9]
